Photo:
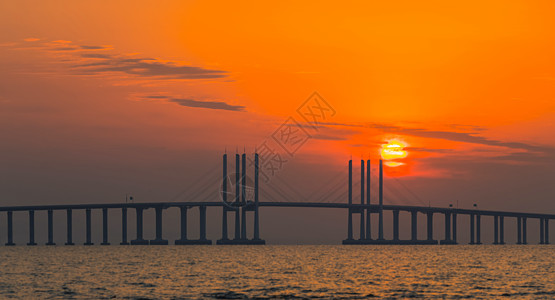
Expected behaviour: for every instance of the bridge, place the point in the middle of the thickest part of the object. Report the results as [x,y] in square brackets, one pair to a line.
[240,205]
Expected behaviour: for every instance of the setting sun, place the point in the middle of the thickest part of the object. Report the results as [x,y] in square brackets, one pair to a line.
[393,150]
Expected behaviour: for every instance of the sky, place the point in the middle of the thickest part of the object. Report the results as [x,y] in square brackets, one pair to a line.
[103,99]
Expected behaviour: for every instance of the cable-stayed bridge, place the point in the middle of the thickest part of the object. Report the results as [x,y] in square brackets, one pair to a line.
[239,195]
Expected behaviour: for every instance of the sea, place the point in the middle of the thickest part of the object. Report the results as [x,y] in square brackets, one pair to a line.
[278,271]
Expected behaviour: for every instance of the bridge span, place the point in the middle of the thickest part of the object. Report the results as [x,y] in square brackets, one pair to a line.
[240,206]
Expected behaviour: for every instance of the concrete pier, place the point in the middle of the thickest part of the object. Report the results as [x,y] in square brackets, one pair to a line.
[10,229]
[471,216]
[519,230]
[124,226]
[380,209]
[88,241]
[362,224]
[69,241]
[396,225]
[159,240]
[350,201]
[495,230]
[139,240]
[237,235]
[542,234]
[478,229]
[368,212]
[105,227]
[50,229]
[501,230]
[414,226]
[524,231]
[256,199]
[454,224]
[430,223]
[546,223]
[31,229]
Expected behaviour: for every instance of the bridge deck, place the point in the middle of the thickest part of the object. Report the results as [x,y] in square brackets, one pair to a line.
[373,207]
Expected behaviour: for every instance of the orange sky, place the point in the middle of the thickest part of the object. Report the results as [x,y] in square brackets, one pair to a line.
[106,81]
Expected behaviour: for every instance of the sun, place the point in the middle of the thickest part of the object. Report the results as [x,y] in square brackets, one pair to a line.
[393,150]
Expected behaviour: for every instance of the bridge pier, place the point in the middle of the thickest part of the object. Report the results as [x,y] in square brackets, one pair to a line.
[139,240]
[159,240]
[414,227]
[237,235]
[471,229]
[542,234]
[88,241]
[546,231]
[380,216]
[350,201]
[478,229]
[448,229]
[501,230]
[10,229]
[105,227]
[454,235]
[69,222]
[524,238]
[430,224]
[50,229]
[362,225]
[519,230]
[496,230]
[124,226]
[396,225]
[368,212]
[31,229]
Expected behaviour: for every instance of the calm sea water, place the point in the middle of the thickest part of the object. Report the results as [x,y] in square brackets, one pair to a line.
[234,272]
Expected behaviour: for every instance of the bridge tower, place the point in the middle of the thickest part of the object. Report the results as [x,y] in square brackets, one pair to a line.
[241,205]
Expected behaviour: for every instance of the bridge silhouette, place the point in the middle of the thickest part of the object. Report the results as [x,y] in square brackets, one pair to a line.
[242,203]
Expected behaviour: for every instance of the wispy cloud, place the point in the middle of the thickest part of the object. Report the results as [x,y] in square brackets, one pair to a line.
[208,104]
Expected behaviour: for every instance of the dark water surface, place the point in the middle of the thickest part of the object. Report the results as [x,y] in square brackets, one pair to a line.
[175,272]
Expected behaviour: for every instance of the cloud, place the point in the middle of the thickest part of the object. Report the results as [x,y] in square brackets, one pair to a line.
[149,67]
[95,55]
[207,104]
[455,136]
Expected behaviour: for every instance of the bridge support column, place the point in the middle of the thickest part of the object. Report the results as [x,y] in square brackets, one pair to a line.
[396,225]
[495,230]
[88,241]
[380,220]
[31,229]
[202,223]
[350,218]
[542,234]
[478,229]
[159,220]
[69,224]
[10,229]
[244,197]
[124,226]
[519,230]
[454,234]
[139,240]
[256,200]
[524,238]
[237,199]
[105,227]
[501,230]
[471,229]
[447,240]
[368,213]
[50,228]
[362,224]
[183,238]
[546,231]
[414,227]
[224,199]
[430,224]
